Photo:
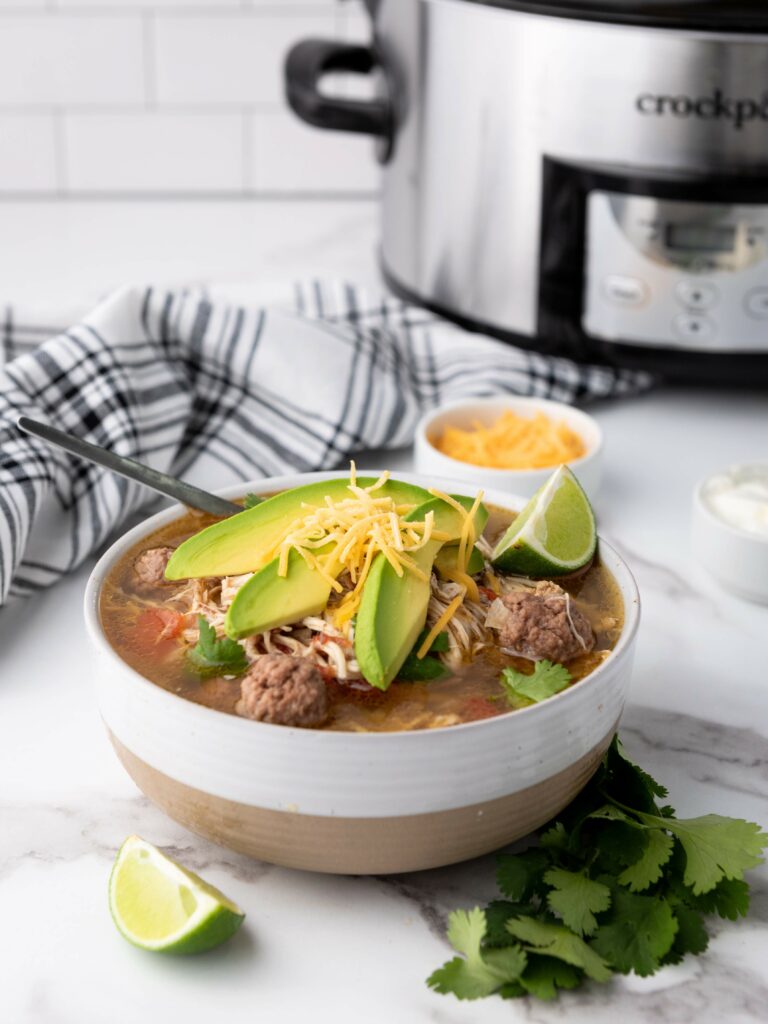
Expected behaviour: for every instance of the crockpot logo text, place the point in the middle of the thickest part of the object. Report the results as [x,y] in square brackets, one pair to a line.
[714,107]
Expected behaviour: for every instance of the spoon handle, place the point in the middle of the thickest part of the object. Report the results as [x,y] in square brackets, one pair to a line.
[152,478]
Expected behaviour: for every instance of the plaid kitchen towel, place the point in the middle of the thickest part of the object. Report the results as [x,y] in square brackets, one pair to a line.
[219,392]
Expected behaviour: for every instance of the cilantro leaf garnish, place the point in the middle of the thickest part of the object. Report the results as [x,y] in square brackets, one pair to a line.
[617,885]
[415,669]
[439,645]
[546,680]
[576,898]
[715,847]
[640,932]
[497,913]
[213,657]
[647,869]
[691,935]
[481,972]
[252,500]
[554,838]
[729,899]
[518,875]
[544,975]
[560,942]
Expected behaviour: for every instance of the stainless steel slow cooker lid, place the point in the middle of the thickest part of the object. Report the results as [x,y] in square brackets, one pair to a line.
[740,16]
[588,179]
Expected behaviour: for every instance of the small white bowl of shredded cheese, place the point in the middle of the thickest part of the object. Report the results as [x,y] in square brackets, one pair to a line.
[481,428]
[730,528]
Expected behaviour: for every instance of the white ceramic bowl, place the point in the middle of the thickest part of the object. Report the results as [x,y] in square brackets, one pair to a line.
[736,558]
[463,414]
[349,802]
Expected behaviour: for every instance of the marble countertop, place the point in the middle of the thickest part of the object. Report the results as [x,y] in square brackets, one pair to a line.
[342,949]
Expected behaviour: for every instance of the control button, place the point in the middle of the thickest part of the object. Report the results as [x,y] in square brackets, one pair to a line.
[625,291]
[698,264]
[756,302]
[696,294]
[694,328]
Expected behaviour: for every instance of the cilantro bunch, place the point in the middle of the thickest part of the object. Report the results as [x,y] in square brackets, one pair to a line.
[617,885]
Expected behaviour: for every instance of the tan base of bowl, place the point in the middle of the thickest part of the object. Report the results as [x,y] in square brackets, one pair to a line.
[363,846]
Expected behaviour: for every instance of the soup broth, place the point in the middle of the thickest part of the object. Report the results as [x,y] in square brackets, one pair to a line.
[144,627]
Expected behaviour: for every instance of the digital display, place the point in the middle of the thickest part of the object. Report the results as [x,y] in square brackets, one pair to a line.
[701,237]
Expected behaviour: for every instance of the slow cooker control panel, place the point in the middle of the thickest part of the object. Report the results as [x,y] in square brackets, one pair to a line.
[676,273]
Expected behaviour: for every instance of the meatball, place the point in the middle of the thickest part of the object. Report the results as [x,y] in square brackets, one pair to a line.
[542,623]
[283,690]
[149,568]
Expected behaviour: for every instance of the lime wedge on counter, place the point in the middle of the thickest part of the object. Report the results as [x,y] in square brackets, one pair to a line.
[554,534]
[159,905]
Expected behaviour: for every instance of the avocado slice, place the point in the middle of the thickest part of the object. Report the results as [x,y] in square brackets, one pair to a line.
[448,558]
[393,609]
[267,600]
[242,543]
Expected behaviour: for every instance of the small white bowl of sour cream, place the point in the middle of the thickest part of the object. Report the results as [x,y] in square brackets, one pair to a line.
[730,529]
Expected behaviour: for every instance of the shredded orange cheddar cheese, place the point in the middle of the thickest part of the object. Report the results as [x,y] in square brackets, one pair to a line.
[441,623]
[344,536]
[513,442]
[460,576]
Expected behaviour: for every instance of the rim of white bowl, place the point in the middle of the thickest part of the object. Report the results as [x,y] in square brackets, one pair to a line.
[627,587]
[529,401]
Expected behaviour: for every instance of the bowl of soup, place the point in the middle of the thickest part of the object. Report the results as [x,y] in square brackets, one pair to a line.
[286,745]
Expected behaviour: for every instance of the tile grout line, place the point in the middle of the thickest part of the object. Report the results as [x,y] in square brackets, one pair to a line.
[149,53]
[116,108]
[248,174]
[60,152]
[95,196]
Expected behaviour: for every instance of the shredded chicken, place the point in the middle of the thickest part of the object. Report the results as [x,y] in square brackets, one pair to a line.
[321,642]
[317,639]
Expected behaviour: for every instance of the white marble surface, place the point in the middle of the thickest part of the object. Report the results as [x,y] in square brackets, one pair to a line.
[339,950]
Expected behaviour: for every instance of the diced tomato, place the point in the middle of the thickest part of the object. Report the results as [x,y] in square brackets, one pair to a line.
[157,631]
[479,707]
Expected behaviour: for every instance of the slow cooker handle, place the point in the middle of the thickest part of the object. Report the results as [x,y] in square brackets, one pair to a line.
[306,64]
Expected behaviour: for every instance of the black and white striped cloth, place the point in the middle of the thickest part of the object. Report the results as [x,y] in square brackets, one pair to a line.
[220,392]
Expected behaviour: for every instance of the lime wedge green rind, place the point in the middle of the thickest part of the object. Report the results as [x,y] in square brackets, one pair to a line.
[554,534]
[160,906]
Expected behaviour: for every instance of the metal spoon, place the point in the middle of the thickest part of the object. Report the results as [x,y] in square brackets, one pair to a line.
[152,478]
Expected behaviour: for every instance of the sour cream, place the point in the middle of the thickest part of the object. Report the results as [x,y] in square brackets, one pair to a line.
[739,498]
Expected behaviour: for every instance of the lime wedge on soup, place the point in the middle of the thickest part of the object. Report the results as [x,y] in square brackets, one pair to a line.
[554,534]
[160,906]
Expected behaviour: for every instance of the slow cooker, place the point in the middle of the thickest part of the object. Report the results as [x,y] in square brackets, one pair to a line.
[582,177]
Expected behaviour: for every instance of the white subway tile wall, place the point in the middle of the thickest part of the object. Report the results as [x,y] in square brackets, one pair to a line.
[169,97]
[28,159]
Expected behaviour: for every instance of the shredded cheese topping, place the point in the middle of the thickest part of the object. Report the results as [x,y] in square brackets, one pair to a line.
[460,575]
[341,538]
[513,442]
[344,536]
[440,625]
[466,543]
